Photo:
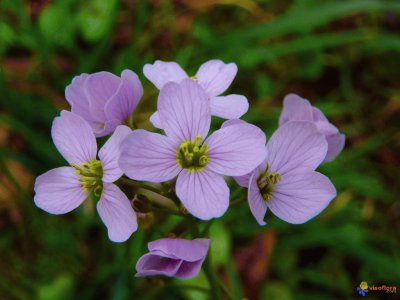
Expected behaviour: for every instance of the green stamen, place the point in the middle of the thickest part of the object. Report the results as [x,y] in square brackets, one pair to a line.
[192,155]
[91,176]
[266,182]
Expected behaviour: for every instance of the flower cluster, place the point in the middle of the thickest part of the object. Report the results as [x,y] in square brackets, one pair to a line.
[190,158]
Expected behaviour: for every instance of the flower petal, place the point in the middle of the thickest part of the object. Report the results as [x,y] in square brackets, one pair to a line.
[105,128]
[335,146]
[204,194]
[59,191]
[184,110]
[117,213]
[295,108]
[121,105]
[229,107]
[76,97]
[162,72]
[74,138]
[215,76]
[148,156]
[155,120]
[110,152]
[299,197]
[152,264]
[236,150]
[296,145]
[189,270]
[258,206]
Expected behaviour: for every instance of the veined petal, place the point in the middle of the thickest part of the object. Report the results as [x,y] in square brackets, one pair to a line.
[299,197]
[121,105]
[76,97]
[162,72]
[148,156]
[335,146]
[229,107]
[184,110]
[295,108]
[204,194]
[295,146]
[74,138]
[117,213]
[155,120]
[258,206]
[152,264]
[110,152]
[59,191]
[215,76]
[236,150]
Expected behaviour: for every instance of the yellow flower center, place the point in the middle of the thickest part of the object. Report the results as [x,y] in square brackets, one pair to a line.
[91,176]
[266,182]
[192,155]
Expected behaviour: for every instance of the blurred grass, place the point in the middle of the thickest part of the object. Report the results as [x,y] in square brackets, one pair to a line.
[342,55]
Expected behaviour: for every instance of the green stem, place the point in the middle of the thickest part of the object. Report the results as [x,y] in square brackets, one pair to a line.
[215,290]
[137,184]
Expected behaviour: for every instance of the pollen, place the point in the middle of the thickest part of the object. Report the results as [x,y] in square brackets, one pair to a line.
[91,176]
[266,182]
[192,155]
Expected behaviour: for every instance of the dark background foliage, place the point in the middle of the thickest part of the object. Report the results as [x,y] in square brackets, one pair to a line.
[341,55]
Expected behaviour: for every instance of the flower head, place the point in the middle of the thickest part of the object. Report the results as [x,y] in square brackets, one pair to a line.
[103,99]
[199,162]
[63,189]
[296,108]
[285,182]
[178,258]
[214,77]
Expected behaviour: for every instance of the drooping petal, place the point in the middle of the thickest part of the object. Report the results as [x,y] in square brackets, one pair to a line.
[59,191]
[117,213]
[74,138]
[236,150]
[299,197]
[155,120]
[76,97]
[215,76]
[188,250]
[189,270]
[154,263]
[258,206]
[204,194]
[184,110]
[335,146]
[162,72]
[295,108]
[121,105]
[296,145]
[110,152]
[229,107]
[99,88]
[148,156]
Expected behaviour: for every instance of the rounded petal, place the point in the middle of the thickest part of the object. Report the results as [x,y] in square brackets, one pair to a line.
[299,197]
[187,250]
[215,76]
[117,213]
[59,191]
[295,108]
[74,138]
[236,150]
[295,146]
[152,264]
[155,120]
[162,72]
[110,152]
[335,146]
[204,194]
[258,206]
[189,270]
[148,156]
[76,97]
[122,104]
[229,107]
[184,110]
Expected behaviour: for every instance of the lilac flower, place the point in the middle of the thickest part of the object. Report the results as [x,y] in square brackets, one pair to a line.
[213,76]
[63,189]
[199,163]
[285,182]
[103,99]
[296,108]
[174,258]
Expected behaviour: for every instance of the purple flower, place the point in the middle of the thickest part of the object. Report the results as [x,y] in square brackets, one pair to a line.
[213,76]
[296,108]
[63,189]
[199,163]
[174,258]
[103,99]
[285,182]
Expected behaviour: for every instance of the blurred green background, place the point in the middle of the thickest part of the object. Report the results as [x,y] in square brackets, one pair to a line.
[344,56]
